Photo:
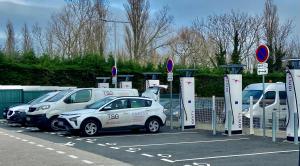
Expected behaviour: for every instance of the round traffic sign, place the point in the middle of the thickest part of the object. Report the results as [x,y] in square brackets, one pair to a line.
[170,65]
[262,53]
[114,71]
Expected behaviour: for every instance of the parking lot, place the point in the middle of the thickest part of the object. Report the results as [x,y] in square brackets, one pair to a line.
[192,147]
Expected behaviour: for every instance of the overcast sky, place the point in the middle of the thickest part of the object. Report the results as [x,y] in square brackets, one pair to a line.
[183,11]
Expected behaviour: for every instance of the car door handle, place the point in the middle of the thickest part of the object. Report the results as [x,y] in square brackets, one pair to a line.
[284,109]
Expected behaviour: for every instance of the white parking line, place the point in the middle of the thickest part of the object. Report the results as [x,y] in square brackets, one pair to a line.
[50,149]
[72,156]
[60,152]
[40,145]
[87,162]
[32,143]
[140,135]
[147,155]
[230,156]
[101,144]
[24,140]
[178,143]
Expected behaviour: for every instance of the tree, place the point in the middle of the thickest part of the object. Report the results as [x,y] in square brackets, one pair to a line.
[234,35]
[10,39]
[144,35]
[190,46]
[79,28]
[27,40]
[275,35]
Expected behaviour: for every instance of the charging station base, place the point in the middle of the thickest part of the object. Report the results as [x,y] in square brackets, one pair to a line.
[234,132]
[291,138]
[189,127]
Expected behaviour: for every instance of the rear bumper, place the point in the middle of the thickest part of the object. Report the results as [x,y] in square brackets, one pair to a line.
[17,117]
[37,120]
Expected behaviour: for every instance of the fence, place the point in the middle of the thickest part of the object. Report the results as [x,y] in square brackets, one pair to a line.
[204,111]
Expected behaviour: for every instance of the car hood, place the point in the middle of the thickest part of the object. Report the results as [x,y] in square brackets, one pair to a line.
[21,108]
[78,112]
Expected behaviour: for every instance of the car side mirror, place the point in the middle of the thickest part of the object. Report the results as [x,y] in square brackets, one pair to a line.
[68,100]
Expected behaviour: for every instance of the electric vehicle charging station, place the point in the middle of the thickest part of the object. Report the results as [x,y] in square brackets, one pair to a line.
[187,98]
[233,98]
[152,79]
[293,98]
[102,82]
[126,81]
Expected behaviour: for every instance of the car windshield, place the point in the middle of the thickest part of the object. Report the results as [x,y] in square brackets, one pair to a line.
[38,100]
[59,96]
[255,93]
[98,104]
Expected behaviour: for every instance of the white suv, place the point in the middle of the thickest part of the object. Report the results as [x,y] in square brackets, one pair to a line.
[115,112]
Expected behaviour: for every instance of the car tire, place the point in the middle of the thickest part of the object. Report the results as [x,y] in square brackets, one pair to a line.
[90,128]
[153,125]
[53,124]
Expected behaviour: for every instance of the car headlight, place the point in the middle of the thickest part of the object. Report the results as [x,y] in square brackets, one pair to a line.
[44,107]
[74,118]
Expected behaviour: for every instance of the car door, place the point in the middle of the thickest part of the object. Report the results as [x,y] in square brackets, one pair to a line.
[116,114]
[283,108]
[139,111]
[78,100]
[270,104]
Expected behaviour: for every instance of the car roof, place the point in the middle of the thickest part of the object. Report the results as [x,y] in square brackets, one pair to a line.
[131,97]
[258,86]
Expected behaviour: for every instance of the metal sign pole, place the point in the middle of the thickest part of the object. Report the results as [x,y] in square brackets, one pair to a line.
[171,99]
[264,109]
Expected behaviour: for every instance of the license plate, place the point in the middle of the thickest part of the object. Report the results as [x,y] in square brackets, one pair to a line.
[28,118]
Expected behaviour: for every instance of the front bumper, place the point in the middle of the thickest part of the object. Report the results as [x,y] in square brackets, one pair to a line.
[65,125]
[37,120]
[17,117]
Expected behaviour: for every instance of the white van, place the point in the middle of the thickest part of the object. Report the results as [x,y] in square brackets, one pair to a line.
[44,115]
[275,100]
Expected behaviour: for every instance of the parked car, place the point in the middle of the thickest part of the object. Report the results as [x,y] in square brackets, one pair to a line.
[17,114]
[44,115]
[115,112]
[275,100]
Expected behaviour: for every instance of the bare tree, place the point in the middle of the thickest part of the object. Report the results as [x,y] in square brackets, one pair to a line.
[275,34]
[10,39]
[144,35]
[79,28]
[234,35]
[190,46]
[27,40]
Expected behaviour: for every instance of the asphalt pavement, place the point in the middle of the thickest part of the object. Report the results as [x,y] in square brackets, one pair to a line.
[169,147]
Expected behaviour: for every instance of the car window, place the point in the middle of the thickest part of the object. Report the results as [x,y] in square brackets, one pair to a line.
[269,98]
[80,96]
[59,96]
[137,103]
[119,104]
[98,104]
[283,97]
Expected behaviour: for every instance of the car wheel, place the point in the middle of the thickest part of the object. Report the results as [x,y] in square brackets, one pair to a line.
[90,127]
[53,126]
[153,125]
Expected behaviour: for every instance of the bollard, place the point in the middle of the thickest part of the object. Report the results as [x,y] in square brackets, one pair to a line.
[214,115]
[274,126]
[296,128]
[251,115]
[229,122]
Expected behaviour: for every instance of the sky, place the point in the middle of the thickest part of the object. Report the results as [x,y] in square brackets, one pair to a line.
[183,11]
